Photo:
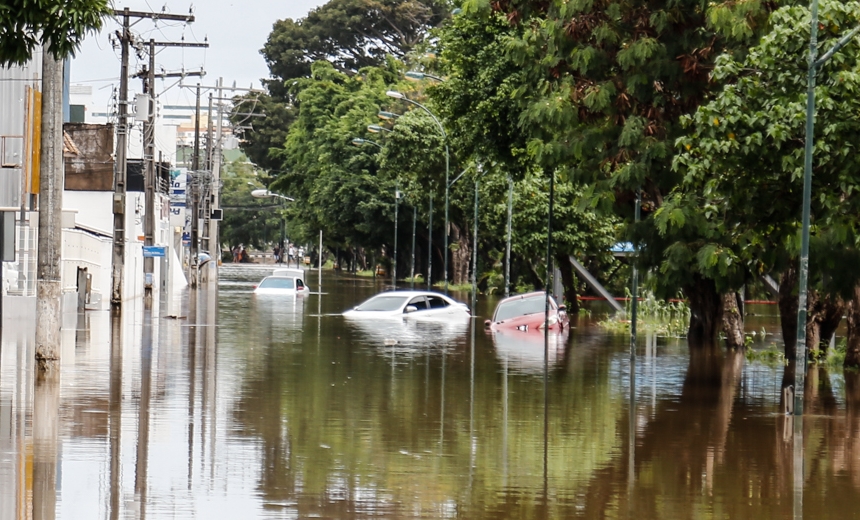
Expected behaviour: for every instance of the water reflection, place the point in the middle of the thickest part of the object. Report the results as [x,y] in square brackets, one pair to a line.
[255,408]
[524,351]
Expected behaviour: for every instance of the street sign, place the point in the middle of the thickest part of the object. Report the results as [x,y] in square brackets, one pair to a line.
[154,251]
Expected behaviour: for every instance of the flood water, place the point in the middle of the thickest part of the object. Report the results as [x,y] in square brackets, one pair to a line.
[249,407]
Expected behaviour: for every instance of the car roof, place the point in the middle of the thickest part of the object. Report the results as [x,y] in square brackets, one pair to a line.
[288,272]
[410,293]
[524,296]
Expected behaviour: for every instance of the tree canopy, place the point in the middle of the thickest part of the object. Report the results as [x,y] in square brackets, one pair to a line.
[59,25]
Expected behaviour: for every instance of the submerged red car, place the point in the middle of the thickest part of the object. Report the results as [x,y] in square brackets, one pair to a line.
[526,312]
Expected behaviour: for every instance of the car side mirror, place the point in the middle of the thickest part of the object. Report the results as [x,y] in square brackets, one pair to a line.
[562,307]
[410,308]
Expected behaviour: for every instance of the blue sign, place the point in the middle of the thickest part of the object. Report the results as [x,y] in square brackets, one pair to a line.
[154,251]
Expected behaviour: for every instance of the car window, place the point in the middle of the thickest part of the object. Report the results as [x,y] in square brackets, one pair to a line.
[521,307]
[420,303]
[299,284]
[382,303]
[275,282]
[436,302]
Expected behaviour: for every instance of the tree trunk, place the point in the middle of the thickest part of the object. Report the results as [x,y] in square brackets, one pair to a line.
[568,280]
[830,322]
[822,318]
[733,320]
[461,255]
[706,309]
[852,354]
[788,309]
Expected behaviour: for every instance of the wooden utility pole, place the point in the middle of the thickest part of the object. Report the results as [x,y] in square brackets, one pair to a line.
[121,168]
[151,166]
[149,173]
[214,245]
[192,188]
[48,280]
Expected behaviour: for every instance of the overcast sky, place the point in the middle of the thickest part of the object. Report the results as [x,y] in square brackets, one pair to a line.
[236,29]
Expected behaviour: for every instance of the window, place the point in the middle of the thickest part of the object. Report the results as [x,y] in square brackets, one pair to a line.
[436,302]
[274,282]
[521,307]
[420,303]
[299,284]
[382,303]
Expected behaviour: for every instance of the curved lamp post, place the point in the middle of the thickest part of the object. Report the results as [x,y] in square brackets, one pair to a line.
[397,95]
[266,194]
[357,141]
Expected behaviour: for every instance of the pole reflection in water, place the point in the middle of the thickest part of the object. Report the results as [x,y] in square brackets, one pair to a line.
[115,415]
[210,375]
[46,412]
[192,378]
[142,457]
[798,480]
[631,432]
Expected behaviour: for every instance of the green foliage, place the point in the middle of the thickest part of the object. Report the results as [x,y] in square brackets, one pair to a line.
[655,316]
[350,34]
[338,186]
[257,223]
[742,159]
[267,134]
[60,25]
[772,355]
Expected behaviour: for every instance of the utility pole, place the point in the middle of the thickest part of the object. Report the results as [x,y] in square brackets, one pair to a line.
[150,172]
[215,197]
[208,186]
[48,282]
[120,169]
[193,189]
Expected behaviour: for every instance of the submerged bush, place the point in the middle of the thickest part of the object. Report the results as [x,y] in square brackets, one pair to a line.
[663,318]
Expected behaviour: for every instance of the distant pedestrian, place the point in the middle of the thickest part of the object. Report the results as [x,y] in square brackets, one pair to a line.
[276,251]
[301,256]
[291,254]
[235,252]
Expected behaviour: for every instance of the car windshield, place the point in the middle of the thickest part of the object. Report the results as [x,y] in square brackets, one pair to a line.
[520,307]
[382,303]
[274,282]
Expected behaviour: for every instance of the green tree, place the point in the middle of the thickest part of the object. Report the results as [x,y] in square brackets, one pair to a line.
[263,136]
[349,34]
[600,90]
[337,185]
[248,221]
[59,25]
[737,210]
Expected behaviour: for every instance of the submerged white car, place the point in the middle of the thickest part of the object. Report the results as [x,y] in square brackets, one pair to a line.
[289,282]
[410,304]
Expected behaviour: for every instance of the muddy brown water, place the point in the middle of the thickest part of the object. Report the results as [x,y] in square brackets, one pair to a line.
[249,407]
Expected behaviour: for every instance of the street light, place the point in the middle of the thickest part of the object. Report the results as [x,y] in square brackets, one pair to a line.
[814,64]
[263,194]
[415,75]
[357,141]
[387,116]
[397,95]
[266,194]
[376,129]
